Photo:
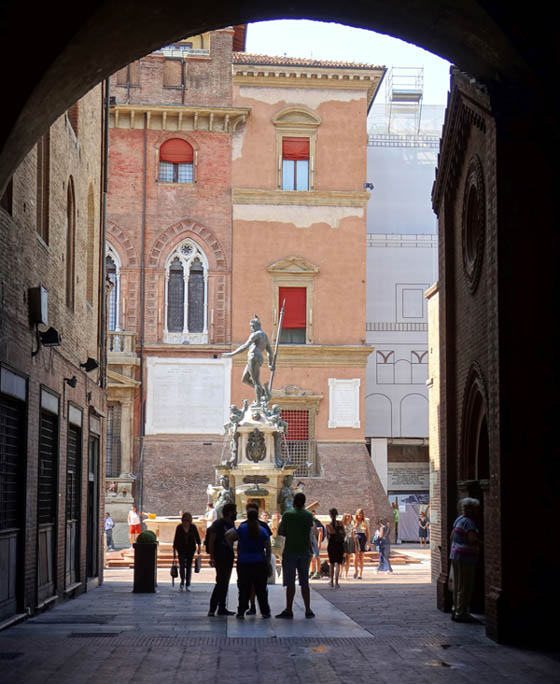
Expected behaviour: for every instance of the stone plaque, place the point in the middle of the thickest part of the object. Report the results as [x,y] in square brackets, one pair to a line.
[344,403]
[187,396]
[408,477]
[255,479]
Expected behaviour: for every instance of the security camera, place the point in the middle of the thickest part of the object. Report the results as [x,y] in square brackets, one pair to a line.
[368,186]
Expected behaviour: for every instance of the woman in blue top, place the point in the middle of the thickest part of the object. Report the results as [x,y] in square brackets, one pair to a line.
[253,561]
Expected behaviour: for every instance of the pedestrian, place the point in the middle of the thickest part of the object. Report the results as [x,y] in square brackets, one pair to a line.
[423,525]
[349,546]
[383,543]
[185,543]
[296,526]
[360,533]
[210,514]
[264,524]
[465,540]
[395,508]
[253,562]
[221,558]
[317,535]
[134,525]
[335,546]
[109,525]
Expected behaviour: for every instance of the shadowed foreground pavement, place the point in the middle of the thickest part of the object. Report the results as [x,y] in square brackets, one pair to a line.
[383,629]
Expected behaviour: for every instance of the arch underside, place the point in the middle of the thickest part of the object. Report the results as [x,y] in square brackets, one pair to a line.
[496,44]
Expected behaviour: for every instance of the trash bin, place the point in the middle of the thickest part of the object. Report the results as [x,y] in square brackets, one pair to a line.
[145,568]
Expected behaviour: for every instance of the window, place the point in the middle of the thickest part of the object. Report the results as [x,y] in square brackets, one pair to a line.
[176,162]
[70,243]
[113,276]
[129,75]
[298,446]
[43,184]
[295,312]
[74,117]
[186,295]
[113,457]
[295,163]
[173,73]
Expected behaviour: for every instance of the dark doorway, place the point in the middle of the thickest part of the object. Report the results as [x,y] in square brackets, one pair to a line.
[92,548]
[73,502]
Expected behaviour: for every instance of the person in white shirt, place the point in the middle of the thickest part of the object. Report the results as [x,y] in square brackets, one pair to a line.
[210,514]
[134,524]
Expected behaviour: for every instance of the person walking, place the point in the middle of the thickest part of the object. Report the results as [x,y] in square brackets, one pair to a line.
[360,533]
[109,525]
[423,525]
[253,562]
[264,524]
[349,547]
[335,546]
[465,540]
[296,526]
[221,558]
[317,536]
[383,543]
[185,543]
[395,508]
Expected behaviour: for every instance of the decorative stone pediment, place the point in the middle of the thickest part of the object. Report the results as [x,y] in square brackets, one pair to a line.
[293,264]
[297,117]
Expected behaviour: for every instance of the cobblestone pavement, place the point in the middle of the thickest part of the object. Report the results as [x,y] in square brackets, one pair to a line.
[382,629]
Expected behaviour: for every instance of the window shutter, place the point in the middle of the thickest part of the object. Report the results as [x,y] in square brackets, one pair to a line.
[176,151]
[296,149]
[295,311]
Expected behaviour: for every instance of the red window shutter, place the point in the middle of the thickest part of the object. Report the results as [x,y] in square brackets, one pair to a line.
[176,151]
[296,306]
[296,149]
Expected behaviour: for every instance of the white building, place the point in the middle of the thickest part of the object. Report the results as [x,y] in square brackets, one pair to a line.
[401,265]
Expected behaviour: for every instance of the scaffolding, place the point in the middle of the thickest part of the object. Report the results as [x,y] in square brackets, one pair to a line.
[404,94]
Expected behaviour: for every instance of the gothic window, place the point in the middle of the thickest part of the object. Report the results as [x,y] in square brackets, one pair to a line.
[112,269]
[187,295]
[176,162]
[70,243]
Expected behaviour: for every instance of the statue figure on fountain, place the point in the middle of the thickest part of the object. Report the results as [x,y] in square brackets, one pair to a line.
[257,343]
[286,495]
[275,417]
[226,495]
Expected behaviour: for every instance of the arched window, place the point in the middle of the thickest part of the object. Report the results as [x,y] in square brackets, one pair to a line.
[70,243]
[187,295]
[112,269]
[176,162]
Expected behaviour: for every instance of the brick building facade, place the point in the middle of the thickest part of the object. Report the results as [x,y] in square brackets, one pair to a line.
[51,408]
[231,221]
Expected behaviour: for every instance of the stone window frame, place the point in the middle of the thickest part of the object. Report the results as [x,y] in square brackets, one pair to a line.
[296,122]
[111,252]
[185,335]
[293,272]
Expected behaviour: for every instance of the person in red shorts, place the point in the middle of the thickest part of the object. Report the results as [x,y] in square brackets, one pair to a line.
[134,524]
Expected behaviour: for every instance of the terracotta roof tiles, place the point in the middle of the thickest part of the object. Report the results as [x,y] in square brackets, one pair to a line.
[270,60]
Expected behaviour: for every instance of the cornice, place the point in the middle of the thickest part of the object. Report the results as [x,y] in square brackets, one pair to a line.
[185,350]
[313,198]
[318,355]
[178,117]
[300,76]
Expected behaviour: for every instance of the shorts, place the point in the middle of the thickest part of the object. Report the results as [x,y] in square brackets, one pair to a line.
[292,562]
[361,540]
[135,529]
[315,547]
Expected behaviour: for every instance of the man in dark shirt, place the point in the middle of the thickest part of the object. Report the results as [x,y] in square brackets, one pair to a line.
[253,607]
[221,558]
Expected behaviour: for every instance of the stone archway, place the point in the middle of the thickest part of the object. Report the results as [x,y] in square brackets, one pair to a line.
[87,44]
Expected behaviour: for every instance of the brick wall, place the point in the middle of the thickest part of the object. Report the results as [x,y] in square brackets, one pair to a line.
[27,261]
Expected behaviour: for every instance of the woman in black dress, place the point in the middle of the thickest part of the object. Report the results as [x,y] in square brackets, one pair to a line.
[185,543]
[335,546]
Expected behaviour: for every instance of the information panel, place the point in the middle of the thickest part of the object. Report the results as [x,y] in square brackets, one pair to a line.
[344,403]
[187,396]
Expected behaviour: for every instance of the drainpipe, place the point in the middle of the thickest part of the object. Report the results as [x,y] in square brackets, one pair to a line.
[142,429]
[103,273]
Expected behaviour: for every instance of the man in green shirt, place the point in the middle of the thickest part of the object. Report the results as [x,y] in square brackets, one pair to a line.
[296,526]
[396,514]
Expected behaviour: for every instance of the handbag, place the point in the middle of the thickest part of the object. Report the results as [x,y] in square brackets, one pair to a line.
[197,564]
[174,571]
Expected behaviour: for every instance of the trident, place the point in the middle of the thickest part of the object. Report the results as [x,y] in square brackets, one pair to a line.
[276,348]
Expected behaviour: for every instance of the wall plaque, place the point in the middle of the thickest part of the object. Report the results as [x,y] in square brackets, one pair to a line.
[344,403]
[187,396]
[408,477]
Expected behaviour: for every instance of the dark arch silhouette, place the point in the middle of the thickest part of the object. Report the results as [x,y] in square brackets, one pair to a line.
[499,44]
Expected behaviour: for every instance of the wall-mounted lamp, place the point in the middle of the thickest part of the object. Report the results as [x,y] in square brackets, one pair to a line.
[49,338]
[73,381]
[89,365]
[368,186]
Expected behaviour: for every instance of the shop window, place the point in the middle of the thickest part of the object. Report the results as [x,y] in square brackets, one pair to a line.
[176,162]
[295,313]
[295,164]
